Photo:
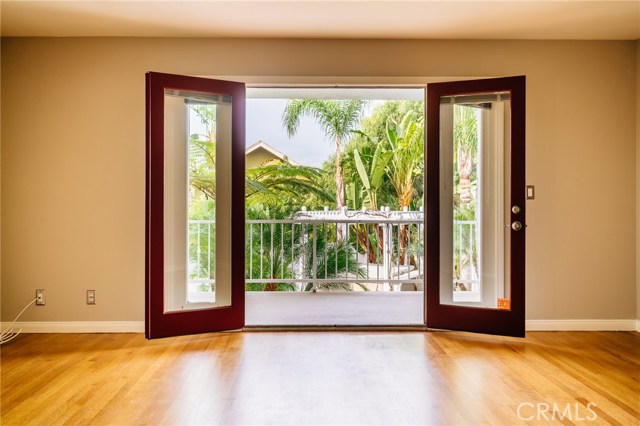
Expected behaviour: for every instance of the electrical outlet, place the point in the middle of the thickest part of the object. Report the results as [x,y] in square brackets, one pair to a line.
[40,301]
[91,297]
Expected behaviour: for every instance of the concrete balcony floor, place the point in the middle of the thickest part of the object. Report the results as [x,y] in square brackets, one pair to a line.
[356,308]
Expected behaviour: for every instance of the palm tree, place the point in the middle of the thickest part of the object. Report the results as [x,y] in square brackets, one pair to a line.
[465,140]
[337,118]
[406,141]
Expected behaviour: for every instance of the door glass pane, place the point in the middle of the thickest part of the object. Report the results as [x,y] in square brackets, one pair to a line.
[474,200]
[197,195]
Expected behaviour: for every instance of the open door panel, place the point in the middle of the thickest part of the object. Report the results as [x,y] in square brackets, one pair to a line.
[476,206]
[194,205]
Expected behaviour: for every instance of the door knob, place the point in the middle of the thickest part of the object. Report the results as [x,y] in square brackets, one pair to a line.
[516,226]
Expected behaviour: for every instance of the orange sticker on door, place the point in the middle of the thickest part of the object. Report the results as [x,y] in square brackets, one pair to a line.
[504,304]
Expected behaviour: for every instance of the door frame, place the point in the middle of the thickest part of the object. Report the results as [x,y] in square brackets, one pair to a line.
[431,217]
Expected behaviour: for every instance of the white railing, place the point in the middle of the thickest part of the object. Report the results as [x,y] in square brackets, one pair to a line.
[466,258]
[311,253]
[331,251]
[201,257]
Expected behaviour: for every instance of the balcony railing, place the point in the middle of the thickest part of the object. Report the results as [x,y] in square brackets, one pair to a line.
[466,268]
[331,250]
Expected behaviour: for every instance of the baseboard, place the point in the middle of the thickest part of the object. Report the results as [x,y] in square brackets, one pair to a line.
[78,326]
[138,326]
[583,325]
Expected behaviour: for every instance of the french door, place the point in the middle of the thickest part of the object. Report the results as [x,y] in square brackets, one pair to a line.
[194,190]
[475,205]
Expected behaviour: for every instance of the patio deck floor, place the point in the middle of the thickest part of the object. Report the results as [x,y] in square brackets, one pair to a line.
[356,308]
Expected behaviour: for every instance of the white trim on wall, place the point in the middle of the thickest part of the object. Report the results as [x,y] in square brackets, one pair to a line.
[78,326]
[138,326]
[582,325]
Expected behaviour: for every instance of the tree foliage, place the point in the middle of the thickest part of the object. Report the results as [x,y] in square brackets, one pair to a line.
[406,142]
[465,148]
[336,118]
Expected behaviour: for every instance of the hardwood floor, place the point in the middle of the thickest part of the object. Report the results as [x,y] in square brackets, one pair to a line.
[296,378]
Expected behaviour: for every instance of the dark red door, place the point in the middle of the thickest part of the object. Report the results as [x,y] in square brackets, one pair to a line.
[194,205]
[476,206]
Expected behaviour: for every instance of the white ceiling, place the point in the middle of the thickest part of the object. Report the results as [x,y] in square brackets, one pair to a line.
[429,19]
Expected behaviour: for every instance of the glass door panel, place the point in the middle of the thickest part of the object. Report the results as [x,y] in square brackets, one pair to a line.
[197,142]
[474,199]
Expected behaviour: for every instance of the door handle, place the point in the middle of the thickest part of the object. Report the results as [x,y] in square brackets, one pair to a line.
[516,226]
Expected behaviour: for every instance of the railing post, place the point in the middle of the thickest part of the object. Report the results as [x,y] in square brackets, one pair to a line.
[314,266]
[386,255]
[271,253]
[251,251]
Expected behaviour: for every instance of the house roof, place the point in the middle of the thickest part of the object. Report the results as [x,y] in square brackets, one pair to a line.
[262,145]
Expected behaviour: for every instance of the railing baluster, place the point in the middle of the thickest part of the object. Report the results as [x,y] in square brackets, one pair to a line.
[346,254]
[198,253]
[293,232]
[399,248]
[261,249]
[213,259]
[366,255]
[282,250]
[475,266]
[314,260]
[251,251]
[471,265]
[378,253]
[336,250]
[407,251]
[271,253]
[305,250]
[421,247]
[209,251]
[326,264]
[460,251]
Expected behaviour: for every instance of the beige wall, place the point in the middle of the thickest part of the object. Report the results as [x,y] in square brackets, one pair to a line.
[73,158]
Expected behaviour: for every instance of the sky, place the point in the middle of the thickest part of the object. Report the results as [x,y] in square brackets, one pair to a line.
[308,147]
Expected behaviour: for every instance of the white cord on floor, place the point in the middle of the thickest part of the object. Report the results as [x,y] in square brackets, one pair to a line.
[10,333]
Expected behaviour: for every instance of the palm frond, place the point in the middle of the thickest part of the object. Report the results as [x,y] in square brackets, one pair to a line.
[270,182]
[336,118]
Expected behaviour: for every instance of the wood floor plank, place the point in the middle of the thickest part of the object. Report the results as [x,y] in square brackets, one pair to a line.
[313,378]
